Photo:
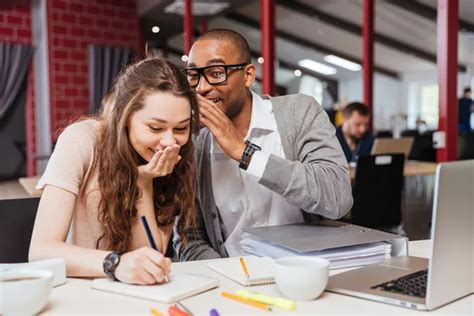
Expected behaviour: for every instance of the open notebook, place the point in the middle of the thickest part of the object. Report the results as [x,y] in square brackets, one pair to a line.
[178,287]
[261,270]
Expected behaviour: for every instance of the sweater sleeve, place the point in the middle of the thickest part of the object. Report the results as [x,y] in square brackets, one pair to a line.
[318,180]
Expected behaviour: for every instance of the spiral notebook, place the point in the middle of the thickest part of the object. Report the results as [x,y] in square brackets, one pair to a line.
[260,269]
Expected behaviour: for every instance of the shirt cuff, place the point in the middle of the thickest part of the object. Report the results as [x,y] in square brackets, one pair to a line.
[258,163]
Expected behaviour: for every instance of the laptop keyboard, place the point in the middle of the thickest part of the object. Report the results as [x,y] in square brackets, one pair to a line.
[413,284]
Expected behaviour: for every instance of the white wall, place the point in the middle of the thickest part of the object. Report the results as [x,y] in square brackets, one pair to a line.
[387,97]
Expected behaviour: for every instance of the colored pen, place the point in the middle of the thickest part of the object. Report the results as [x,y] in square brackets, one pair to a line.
[213,312]
[244,267]
[150,236]
[246,301]
[175,311]
[154,312]
[279,302]
[182,307]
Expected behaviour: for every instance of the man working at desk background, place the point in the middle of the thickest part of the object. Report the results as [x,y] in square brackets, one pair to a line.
[354,135]
[260,161]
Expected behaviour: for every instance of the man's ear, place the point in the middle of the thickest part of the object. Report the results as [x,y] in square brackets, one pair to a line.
[250,75]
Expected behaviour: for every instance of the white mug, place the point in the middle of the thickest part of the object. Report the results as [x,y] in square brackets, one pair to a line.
[301,278]
[24,292]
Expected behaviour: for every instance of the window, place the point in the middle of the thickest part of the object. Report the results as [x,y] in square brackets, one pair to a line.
[423,103]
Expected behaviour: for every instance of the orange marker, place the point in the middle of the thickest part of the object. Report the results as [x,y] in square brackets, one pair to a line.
[244,267]
[175,311]
[246,301]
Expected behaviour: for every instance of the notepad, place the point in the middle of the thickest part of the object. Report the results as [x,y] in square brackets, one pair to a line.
[261,270]
[178,287]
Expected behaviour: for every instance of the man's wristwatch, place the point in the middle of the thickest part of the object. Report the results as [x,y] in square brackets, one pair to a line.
[250,149]
[110,264]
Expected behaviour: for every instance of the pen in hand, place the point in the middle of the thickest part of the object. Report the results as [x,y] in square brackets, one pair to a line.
[150,237]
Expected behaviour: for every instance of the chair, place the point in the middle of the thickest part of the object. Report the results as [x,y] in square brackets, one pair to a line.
[377,192]
[17,217]
[466,146]
[383,134]
[422,149]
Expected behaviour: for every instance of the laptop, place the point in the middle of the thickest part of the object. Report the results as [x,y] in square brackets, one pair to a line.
[421,283]
[17,217]
[392,146]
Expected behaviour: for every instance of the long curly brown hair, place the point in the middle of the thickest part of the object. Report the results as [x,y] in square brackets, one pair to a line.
[117,161]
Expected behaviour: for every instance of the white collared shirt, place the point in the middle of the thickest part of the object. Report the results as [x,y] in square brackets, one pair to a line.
[241,200]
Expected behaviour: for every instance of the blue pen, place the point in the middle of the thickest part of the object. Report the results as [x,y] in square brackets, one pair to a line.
[150,236]
[148,232]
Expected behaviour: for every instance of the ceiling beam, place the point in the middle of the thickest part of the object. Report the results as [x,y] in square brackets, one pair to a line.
[428,12]
[351,27]
[250,22]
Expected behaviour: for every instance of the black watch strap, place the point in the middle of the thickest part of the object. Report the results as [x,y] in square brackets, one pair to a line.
[250,149]
[110,263]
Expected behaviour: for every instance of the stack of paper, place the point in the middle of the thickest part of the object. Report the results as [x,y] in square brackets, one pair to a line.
[341,257]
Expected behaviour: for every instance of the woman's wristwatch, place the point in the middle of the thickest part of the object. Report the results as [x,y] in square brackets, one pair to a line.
[110,263]
[250,149]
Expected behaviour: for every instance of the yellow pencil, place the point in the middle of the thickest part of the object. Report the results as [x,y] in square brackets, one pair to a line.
[246,301]
[244,267]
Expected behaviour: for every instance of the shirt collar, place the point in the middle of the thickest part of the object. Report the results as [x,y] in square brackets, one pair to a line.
[262,114]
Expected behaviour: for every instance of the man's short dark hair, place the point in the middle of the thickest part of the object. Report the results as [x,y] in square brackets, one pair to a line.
[358,107]
[241,45]
[467,90]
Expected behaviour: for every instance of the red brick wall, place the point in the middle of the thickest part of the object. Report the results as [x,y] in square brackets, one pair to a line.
[15,24]
[15,27]
[72,26]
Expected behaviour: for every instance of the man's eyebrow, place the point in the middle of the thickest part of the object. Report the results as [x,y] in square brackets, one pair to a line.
[165,121]
[208,63]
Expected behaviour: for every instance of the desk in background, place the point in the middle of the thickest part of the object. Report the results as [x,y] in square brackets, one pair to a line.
[412,168]
[77,297]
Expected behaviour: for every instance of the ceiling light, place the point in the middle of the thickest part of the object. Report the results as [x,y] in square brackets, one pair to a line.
[318,67]
[260,60]
[341,62]
[298,73]
[184,58]
[155,29]
[198,8]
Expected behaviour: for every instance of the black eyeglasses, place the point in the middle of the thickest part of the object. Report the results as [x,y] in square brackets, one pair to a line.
[214,75]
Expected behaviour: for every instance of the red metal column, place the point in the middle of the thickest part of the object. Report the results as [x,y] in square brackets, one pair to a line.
[447,52]
[368,56]
[203,25]
[268,45]
[188,26]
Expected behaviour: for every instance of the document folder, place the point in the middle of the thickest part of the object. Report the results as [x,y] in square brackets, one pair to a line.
[309,237]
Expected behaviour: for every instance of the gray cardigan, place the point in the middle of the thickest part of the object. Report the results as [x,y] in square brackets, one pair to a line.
[314,176]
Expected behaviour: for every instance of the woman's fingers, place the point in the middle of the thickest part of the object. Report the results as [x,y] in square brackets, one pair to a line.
[159,260]
[154,270]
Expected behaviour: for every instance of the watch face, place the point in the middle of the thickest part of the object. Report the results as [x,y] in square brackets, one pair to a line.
[111,262]
[108,265]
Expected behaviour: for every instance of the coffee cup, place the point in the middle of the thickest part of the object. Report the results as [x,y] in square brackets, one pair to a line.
[301,278]
[24,292]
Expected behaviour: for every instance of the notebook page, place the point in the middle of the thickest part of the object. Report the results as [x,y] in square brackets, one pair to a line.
[178,287]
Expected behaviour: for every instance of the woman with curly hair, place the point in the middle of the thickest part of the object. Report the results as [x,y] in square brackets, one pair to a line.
[135,159]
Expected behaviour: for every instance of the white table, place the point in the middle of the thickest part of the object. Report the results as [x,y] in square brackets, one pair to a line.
[77,297]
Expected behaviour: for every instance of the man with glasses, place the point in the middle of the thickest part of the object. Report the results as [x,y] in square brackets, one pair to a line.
[260,161]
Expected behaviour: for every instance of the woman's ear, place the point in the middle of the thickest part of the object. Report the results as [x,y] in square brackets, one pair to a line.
[250,74]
